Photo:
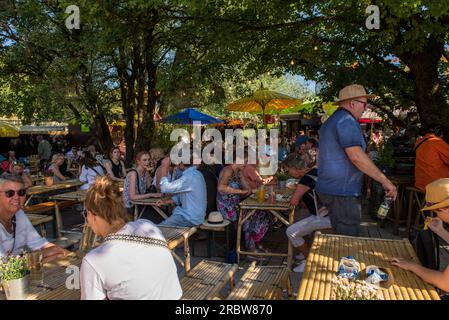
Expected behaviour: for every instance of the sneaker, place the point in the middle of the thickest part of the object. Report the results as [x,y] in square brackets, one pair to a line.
[300,267]
[300,257]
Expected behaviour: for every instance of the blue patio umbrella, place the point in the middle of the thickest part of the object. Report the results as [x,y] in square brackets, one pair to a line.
[189,115]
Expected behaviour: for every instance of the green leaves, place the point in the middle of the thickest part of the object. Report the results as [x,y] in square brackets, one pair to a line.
[13,267]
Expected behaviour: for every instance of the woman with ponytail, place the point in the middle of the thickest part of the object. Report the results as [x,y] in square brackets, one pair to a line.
[133,261]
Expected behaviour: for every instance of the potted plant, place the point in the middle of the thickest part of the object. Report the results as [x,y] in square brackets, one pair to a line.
[15,277]
[48,179]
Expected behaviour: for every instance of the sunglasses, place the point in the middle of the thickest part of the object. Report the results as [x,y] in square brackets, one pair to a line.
[11,193]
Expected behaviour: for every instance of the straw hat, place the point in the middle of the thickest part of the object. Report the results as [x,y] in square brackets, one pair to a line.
[437,194]
[352,92]
[215,219]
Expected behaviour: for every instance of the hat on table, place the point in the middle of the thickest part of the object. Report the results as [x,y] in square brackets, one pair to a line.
[437,194]
[352,92]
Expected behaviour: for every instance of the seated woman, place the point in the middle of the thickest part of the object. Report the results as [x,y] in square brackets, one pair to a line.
[16,230]
[137,182]
[437,200]
[133,262]
[232,187]
[318,219]
[90,170]
[54,168]
[115,167]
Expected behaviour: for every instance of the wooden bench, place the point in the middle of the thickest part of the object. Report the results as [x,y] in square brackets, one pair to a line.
[262,283]
[207,279]
[40,220]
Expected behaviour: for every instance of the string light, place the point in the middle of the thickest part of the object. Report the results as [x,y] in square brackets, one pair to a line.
[292,62]
[315,48]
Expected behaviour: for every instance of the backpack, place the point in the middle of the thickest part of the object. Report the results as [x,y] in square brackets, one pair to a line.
[427,247]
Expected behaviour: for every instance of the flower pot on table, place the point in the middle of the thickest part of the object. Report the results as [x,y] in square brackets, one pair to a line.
[17,289]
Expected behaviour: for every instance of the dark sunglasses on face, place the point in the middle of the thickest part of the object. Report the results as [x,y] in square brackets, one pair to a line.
[11,193]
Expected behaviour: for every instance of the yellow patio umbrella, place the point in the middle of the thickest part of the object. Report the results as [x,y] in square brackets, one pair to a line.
[264,101]
[8,130]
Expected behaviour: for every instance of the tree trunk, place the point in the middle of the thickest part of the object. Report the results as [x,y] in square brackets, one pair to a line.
[146,128]
[432,108]
[102,129]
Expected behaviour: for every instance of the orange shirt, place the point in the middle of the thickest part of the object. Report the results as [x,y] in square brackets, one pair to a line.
[432,161]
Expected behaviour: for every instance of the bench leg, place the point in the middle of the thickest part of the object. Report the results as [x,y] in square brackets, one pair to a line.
[187,254]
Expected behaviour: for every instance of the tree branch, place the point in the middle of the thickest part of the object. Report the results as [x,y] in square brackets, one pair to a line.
[371,54]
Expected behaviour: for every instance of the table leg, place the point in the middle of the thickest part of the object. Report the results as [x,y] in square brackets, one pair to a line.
[290,246]
[187,254]
[239,235]
[58,220]
[160,211]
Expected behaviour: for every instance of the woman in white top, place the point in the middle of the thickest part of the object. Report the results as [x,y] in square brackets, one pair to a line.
[133,261]
[90,171]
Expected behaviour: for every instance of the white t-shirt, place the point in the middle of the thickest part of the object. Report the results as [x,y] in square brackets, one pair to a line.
[26,235]
[119,270]
[89,175]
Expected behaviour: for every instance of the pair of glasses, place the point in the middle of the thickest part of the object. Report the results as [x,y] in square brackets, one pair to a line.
[365,104]
[11,193]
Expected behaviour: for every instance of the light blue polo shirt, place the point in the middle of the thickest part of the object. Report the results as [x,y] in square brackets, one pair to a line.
[337,175]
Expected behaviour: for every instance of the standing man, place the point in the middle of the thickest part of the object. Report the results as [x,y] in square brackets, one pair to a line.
[44,150]
[343,162]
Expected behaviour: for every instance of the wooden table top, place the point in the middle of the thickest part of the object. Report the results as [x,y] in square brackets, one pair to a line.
[79,195]
[252,202]
[149,201]
[176,235]
[57,186]
[55,277]
[327,250]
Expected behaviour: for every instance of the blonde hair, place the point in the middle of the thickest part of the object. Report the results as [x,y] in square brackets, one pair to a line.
[105,200]
[56,156]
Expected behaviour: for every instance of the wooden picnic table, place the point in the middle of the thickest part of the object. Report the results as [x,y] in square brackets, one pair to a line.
[252,205]
[36,190]
[55,277]
[327,250]
[148,202]
[75,196]
[176,236]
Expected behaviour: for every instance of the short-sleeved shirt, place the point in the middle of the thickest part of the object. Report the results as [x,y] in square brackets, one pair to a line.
[337,175]
[25,236]
[309,180]
[124,270]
